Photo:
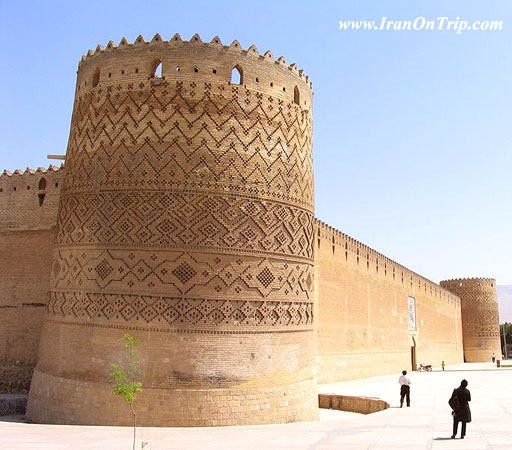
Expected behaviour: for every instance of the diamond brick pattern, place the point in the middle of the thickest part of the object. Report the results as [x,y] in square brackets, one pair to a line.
[178,190]
[185,219]
[220,187]
[176,312]
[151,218]
[184,272]
[181,273]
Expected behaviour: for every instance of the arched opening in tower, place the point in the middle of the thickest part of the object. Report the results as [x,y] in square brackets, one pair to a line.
[296,96]
[156,70]
[96,77]
[237,75]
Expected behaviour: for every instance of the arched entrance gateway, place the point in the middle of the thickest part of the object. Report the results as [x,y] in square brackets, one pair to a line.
[413,354]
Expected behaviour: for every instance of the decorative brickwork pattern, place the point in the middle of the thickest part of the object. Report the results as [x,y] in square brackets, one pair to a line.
[480,317]
[183,273]
[186,205]
[179,312]
[176,220]
[203,173]
[191,137]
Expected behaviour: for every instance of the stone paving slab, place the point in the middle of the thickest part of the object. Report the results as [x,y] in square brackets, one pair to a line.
[427,424]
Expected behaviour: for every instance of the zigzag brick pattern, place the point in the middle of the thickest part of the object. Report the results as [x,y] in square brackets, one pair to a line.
[186,209]
[123,213]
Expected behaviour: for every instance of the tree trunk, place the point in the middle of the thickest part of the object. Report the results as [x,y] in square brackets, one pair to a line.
[134,424]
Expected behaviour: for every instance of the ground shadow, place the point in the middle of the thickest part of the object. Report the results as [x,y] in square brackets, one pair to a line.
[443,439]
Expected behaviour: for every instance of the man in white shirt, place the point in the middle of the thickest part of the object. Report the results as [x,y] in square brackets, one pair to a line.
[405,389]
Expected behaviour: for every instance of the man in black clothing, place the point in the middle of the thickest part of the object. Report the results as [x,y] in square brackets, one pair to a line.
[405,388]
[464,413]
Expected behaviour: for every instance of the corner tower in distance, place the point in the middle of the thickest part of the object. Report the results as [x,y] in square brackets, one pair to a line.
[480,317]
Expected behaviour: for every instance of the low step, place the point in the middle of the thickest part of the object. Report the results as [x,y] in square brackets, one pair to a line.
[362,405]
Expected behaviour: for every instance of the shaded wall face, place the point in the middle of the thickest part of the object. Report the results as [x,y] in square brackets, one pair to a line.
[362,324]
[480,317]
[27,230]
[186,219]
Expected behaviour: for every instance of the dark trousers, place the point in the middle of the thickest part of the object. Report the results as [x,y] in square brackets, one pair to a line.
[456,425]
[405,391]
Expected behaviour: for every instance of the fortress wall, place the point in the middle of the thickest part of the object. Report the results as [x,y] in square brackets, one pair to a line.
[27,231]
[185,218]
[480,317]
[361,313]
[29,199]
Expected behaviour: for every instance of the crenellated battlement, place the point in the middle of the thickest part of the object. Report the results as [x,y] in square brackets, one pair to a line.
[40,179]
[29,199]
[472,283]
[469,279]
[30,171]
[367,258]
[193,61]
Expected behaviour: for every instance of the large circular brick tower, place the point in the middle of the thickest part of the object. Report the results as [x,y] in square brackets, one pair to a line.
[479,313]
[186,220]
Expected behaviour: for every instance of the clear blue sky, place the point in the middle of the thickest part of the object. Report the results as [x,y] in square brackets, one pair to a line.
[413,130]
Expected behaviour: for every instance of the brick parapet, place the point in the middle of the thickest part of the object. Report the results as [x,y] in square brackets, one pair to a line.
[366,258]
[471,281]
[29,199]
[192,61]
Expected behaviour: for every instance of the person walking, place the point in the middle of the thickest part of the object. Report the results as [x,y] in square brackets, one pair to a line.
[493,357]
[442,365]
[463,414]
[405,389]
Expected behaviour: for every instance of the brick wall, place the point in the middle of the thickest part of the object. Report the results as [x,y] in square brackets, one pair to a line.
[28,207]
[361,313]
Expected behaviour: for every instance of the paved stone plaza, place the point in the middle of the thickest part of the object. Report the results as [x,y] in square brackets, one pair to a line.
[425,425]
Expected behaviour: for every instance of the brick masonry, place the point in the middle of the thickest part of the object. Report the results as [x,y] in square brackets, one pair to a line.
[184,216]
[480,317]
[361,405]
[28,207]
[361,313]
